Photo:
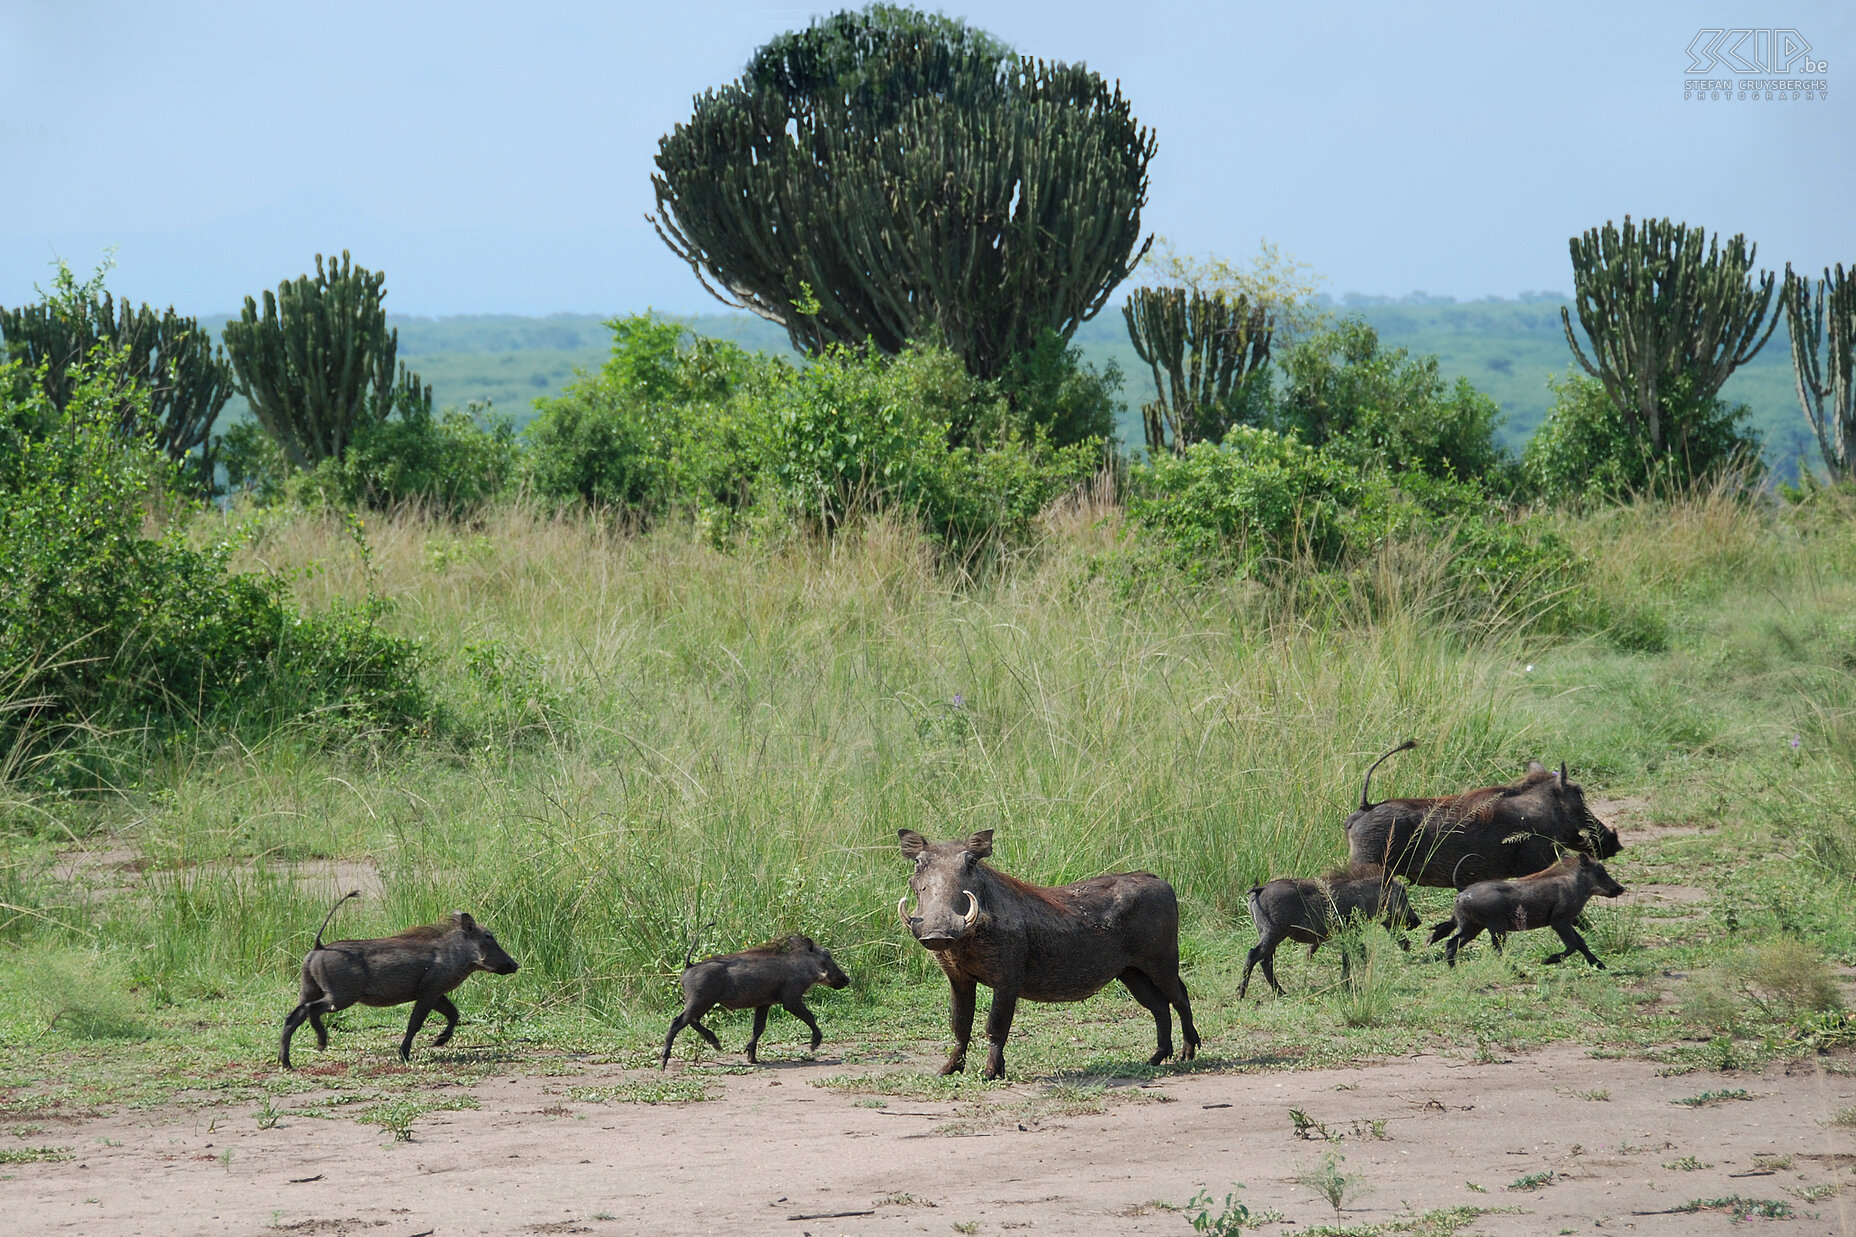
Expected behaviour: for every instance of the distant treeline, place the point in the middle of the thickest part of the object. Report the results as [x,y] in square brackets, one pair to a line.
[1508,348]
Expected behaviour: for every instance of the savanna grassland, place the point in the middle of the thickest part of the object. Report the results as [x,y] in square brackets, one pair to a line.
[640,735]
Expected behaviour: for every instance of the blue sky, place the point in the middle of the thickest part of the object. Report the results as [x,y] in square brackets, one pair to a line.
[496,157]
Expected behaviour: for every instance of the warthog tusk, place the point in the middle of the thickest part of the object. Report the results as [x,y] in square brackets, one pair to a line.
[972,913]
[902,911]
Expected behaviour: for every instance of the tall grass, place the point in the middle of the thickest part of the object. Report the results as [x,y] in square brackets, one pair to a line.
[737,737]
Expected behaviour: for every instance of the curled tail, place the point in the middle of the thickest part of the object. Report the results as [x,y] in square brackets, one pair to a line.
[689,951]
[352,893]
[1365,799]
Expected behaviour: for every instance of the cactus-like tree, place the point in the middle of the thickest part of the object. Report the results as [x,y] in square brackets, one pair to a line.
[1203,347]
[317,365]
[886,176]
[166,355]
[1826,385]
[1670,313]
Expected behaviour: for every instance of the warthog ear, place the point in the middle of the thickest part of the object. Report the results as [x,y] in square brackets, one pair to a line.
[1562,773]
[1534,766]
[913,843]
[981,843]
[463,920]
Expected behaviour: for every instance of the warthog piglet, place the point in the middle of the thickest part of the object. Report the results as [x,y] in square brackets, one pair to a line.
[1312,911]
[1552,898]
[419,965]
[758,979]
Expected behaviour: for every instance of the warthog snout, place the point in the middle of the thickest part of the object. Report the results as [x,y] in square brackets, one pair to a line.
[947,930]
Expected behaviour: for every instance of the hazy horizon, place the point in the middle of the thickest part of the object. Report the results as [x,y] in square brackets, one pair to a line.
[491,160]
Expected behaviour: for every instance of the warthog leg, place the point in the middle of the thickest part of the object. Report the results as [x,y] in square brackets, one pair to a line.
[444,1006]
[960,1003]
[1570,935]
[998,1028]
[760,1024]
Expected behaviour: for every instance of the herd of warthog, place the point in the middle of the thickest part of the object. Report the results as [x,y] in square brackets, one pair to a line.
[1523,855]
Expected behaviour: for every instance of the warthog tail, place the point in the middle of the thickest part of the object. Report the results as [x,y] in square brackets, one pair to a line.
[1440,930]
[352,893]
[689,950]
[1365,799]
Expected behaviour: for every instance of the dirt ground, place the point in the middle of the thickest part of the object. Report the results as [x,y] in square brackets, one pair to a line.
[773,1154]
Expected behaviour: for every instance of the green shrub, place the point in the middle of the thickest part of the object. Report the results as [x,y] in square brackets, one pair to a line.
[115,629]
[852,435]
[1585,451]
[1053,391]
[1258,501]
[654,428]
[454,462]
[1381,407]
[1263,502]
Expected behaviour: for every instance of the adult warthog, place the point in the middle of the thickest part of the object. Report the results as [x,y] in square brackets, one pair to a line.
[1490,833]
[1042,944]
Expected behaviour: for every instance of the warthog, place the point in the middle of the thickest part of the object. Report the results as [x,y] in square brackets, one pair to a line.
[778,973]
[1042,944]
[1484,834]
[1312,911]
[1549,899]
[419,965]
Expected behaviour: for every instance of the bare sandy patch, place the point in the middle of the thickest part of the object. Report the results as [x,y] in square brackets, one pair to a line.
[1569,1140]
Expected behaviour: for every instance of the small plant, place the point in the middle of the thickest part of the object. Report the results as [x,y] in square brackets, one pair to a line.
[1327,1181]
[1772,1163]
[966,1226]
[1228,1223]
[872,1102]
[650,1091]
[1598,1096]
[1813,1193]
[1741,1208]
[1687,1164]
[33,1155]
[1845,1119]
[1370,1128]
[1309,1128]
[1479,1189]
[1714,1097]
[1533,1181]
[267,1115]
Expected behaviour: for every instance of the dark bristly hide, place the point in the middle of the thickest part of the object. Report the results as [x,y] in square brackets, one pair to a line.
[1036,943]
[758,979]
[1552,898]
[1484,834]
[421,965]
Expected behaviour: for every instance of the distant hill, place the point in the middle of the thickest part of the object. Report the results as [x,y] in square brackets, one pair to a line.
[1508,348]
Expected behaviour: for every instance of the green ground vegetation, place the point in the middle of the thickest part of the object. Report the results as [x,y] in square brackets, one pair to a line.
[635,733]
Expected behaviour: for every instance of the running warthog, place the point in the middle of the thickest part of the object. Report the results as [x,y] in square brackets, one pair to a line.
[1484,834]
[1042,944]
[1549,899]
[420,965]
[778,973]
[1312,911]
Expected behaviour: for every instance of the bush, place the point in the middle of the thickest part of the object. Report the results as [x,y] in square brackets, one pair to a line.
[455,462]
[674,422]
[1264,501]
[653,428]
[1585,451]
[1253,504]
[113,628]
[1053,391]
[851,435]
[1377,407]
